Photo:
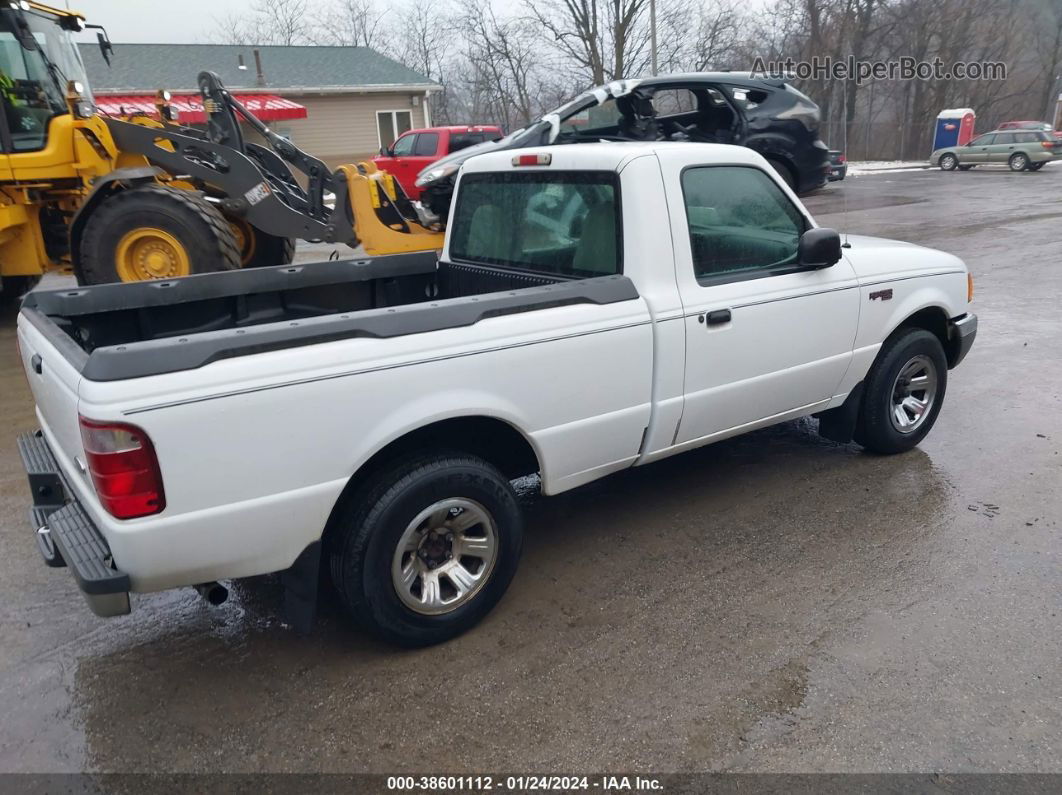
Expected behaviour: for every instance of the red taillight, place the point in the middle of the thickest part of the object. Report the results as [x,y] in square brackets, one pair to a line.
[532,160]
[842,159]
[1047,144]
[124,469]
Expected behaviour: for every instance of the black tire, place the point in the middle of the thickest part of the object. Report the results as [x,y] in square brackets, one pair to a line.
[965,168]
[14,287]
[875,429]
[1019,161]
[260,249]
[364,534]
[186,216]
[1036,166]
[948,162]
[784,172]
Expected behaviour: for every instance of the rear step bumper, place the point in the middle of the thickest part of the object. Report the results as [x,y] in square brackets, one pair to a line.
[66,536]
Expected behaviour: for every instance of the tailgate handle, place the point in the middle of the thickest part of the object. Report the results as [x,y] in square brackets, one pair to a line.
[37,363]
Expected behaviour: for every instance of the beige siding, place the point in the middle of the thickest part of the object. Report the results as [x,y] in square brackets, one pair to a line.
[342,128]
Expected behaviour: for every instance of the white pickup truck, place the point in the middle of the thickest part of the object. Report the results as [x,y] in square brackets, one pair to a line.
[596,307]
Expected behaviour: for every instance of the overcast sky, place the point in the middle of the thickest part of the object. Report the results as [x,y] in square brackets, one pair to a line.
[170,21]
[156,21]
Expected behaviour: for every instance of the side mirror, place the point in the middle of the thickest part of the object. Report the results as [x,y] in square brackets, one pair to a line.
[385,152]
[104,42]
[819,248]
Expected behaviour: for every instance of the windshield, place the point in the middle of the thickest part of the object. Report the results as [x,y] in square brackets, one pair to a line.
[33,81]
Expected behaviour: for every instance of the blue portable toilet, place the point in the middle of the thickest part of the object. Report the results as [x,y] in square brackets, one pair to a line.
[955,127]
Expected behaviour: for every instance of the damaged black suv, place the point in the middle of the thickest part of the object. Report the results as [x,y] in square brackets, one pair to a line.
[764,114]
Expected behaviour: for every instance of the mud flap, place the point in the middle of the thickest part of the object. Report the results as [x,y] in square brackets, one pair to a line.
[301,584]
[839,424]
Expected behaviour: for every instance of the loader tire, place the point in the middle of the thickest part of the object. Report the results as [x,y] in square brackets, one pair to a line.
[260,249]
[154,232]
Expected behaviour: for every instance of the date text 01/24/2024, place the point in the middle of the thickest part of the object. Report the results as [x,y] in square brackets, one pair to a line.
[526,783]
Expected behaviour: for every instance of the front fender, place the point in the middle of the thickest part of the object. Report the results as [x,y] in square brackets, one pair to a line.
[119,179]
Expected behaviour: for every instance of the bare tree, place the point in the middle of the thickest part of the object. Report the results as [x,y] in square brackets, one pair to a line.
[422,37]
[600,40]
[1049,49]
[358,23]
[504,60]
[266,22]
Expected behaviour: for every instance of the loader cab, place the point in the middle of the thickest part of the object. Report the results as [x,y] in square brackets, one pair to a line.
[38,57]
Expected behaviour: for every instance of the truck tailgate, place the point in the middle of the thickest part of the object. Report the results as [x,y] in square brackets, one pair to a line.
[54,382]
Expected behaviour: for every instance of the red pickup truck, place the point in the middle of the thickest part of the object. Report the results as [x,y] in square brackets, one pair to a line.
[413,150]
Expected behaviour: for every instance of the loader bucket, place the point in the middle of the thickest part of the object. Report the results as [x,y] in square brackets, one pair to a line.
[378,223]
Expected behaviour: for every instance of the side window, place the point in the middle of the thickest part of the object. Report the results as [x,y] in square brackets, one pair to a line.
[1005,138]
[747,98]
[602,119]
[984,140]
[1026,138]
[671,101]
[404,145]
[459,141]
[740,222]
[426,144]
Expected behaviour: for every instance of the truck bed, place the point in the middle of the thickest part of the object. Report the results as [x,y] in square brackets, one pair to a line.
[117,331]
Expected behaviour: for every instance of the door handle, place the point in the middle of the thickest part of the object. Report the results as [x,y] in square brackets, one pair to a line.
[37,363]
[717,318]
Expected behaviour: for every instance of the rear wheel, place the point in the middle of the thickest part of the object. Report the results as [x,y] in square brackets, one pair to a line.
[784,172]
[426,548]
[154,232]
[903,392]
[948,162]
[260,249]
[1019,161]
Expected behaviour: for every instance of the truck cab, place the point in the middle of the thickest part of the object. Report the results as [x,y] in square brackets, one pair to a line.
[415,150]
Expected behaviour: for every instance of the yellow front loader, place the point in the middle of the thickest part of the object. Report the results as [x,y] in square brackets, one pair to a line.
[134,198]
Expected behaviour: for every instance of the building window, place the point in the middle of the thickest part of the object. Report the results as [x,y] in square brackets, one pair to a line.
[392,123]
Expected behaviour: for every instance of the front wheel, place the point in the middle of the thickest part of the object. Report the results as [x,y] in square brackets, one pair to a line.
[948,162]
[903,392]
[426,548]
[1018,161]
[154,232]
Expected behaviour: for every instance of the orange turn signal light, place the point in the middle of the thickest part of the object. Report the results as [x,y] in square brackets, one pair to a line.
[969,287]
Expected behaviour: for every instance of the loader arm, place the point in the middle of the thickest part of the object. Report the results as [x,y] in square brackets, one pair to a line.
[256,182]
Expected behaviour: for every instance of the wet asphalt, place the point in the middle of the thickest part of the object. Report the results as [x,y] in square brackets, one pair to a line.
[772,603]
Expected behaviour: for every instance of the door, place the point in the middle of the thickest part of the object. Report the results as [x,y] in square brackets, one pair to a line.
[391,161]
[765,338]
[977,150]
[1004,145]
[425,151]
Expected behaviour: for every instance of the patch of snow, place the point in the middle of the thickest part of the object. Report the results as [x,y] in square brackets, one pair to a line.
[862,169]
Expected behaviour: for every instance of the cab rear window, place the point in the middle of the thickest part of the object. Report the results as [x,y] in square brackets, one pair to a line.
[560,223]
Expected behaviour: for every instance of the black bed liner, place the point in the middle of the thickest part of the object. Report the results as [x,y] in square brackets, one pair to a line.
[117,331]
